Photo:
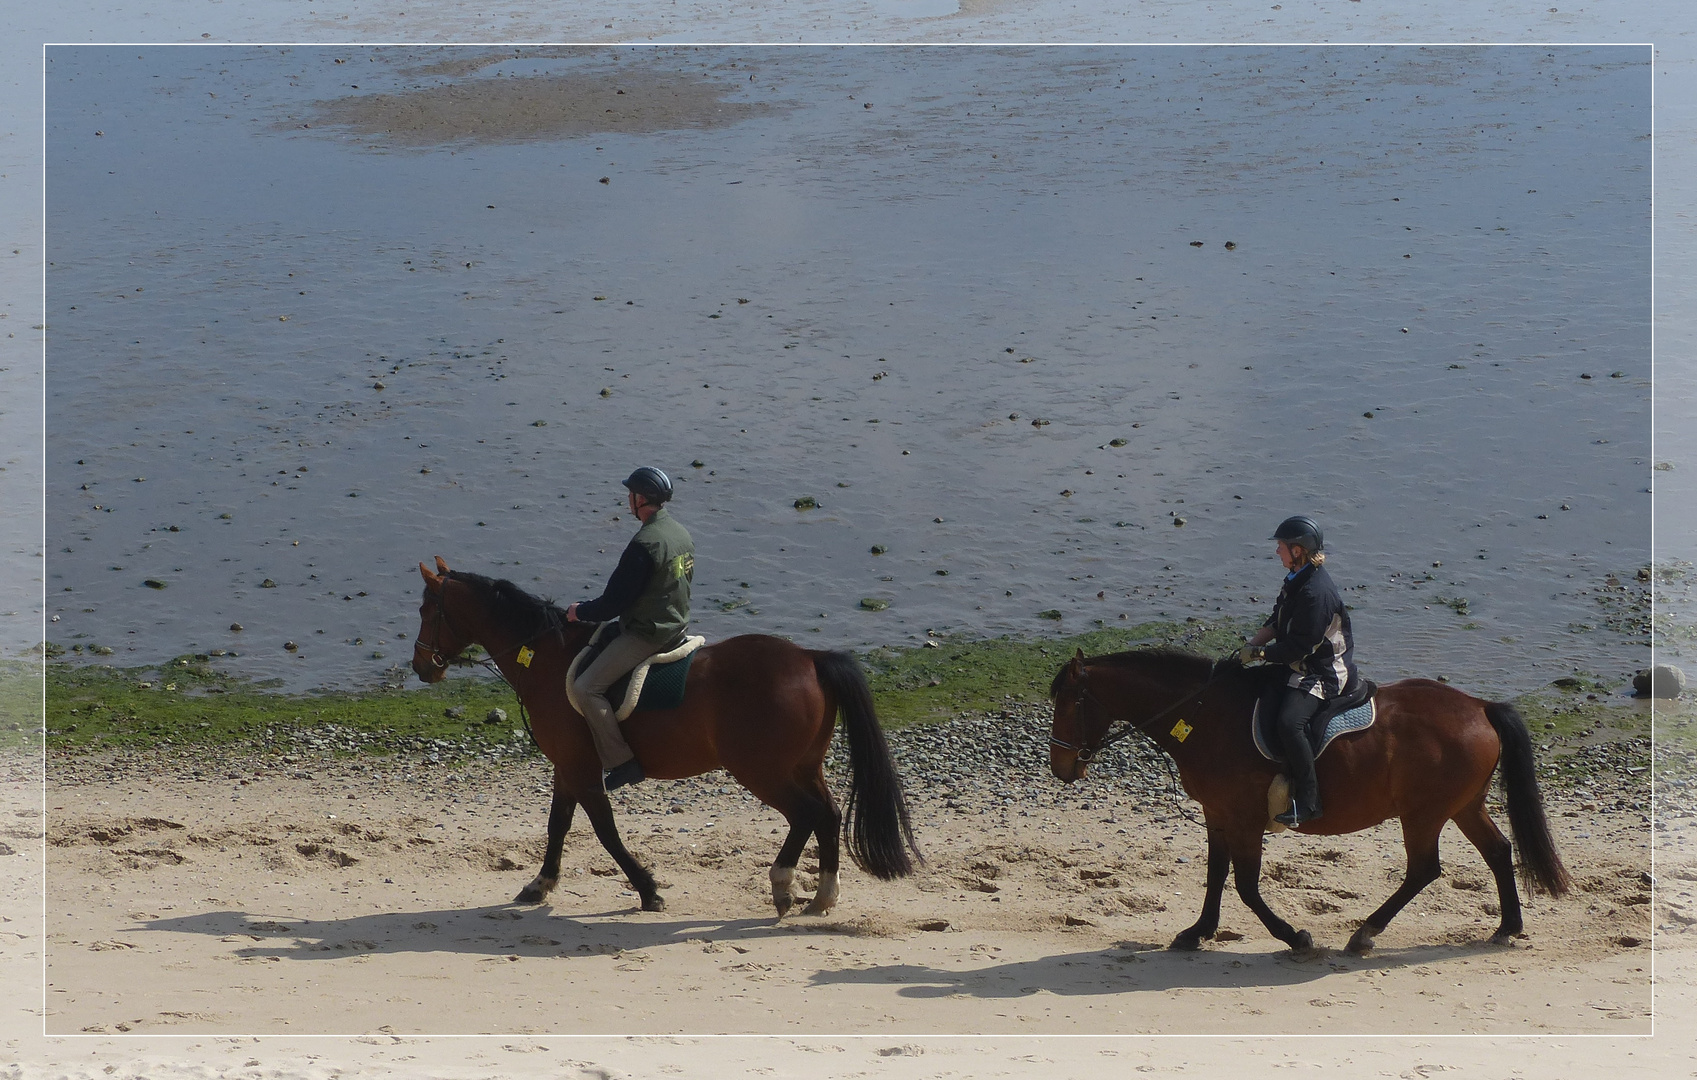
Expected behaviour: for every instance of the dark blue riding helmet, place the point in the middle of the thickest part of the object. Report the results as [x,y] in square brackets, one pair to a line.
[651,484]
[1302,530]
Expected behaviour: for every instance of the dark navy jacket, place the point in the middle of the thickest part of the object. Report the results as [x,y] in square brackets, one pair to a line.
[1312,634]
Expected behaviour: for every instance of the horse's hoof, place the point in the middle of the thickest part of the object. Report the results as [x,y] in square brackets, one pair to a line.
[1303,942]
[534,893]
[814,907]
[783,904]
[653,903]
[1186,942]
[1503,937]
[1361,943]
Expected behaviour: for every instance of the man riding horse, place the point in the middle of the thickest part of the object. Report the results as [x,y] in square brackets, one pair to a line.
[649,595]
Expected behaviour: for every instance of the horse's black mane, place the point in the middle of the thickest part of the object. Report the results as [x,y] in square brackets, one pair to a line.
[518,611]
[1165,659]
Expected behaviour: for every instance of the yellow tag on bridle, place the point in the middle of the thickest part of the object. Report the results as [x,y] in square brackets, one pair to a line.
[1181,731]
[525,656]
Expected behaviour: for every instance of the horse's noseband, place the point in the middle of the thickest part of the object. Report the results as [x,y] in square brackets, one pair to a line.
[1086,753]
[437,660]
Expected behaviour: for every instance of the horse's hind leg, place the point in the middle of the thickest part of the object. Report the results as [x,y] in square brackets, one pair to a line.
[1219,864]
[828,827]
[1420,841]
[559,820]
[782,872]
[807,812]
[1477,826]
[601,816]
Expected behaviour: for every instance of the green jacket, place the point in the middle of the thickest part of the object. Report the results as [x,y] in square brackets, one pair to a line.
[661,613]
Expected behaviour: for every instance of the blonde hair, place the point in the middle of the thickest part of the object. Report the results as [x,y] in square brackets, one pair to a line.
[1318,558]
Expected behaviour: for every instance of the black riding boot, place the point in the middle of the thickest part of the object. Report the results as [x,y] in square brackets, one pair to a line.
[1294,713]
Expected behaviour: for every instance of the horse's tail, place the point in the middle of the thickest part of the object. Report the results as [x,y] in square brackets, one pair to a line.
[878,834]
[1540,867]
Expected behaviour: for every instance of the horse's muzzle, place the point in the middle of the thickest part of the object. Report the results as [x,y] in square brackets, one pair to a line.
[428,664]
[1067,765]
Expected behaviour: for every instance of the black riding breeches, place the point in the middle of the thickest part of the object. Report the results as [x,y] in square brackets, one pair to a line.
[1291,709]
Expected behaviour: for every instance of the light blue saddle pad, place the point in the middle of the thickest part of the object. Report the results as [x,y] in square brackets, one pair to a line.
[1343,723]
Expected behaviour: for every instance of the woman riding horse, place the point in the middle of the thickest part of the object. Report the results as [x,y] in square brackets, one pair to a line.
[1309,632]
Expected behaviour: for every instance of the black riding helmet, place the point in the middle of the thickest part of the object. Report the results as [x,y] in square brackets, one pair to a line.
[651,484]
[1302,530]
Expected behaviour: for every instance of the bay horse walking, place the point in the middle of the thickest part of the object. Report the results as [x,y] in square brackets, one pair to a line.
[760,707]
[1427,759]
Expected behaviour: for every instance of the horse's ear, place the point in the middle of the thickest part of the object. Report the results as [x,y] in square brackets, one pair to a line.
[431,581]
[441,566]
[1075,666]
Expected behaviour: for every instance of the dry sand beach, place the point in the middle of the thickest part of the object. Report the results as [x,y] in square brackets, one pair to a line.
[355,898]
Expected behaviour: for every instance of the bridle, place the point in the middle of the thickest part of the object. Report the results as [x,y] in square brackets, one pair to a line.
[439,661]
[1118,727]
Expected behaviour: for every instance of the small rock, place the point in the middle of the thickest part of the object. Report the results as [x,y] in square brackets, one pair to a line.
[454,712]
[495,716]
[606,391]
[934,924]
[872,603]
[1052,613]
[1178,522]
[807,502]
[378,386]
[153,583]
[268,584]
[879,549]
[1116,442]
[290,646]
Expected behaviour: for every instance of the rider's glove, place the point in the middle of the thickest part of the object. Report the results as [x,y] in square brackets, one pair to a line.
[1251,654]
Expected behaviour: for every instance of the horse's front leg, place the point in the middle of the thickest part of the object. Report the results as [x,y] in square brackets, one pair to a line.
[1246,865]
[559,821]
[1420,842]
[1219,863]
[601,816]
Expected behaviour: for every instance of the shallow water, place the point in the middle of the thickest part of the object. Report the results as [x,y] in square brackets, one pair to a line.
[1446,238]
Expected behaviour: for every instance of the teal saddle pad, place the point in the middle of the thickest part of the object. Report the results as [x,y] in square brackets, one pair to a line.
[1356,719]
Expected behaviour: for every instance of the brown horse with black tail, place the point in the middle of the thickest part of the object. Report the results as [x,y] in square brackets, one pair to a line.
[760,707]
[1427,759]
